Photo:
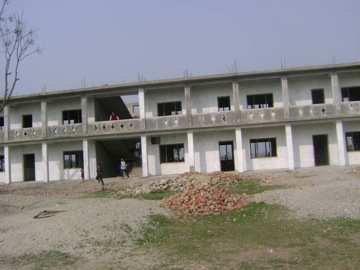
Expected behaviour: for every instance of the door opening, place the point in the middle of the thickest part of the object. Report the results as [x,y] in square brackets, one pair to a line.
[321,150]
[29,167]
[226,156]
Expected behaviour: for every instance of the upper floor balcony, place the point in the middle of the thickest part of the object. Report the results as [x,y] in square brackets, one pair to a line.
[173,122]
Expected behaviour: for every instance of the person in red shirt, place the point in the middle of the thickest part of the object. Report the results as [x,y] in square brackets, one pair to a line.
[113,116]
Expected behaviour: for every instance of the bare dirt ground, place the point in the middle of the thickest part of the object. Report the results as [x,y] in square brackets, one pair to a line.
[101,232]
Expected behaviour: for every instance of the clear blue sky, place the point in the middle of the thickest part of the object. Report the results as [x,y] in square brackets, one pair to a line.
[95,42]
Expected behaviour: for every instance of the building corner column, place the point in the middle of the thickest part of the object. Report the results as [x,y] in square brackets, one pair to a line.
[335,91]
[340,137]
[86,164]
[285,96]
[144,159]
[45,162]
[190,140]
[84,114]
[7,164]
[142,116]
[289,146]
[188,105]
[236,98]
[6,122]
[239,166]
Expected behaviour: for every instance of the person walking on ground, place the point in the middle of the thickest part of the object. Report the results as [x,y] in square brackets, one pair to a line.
[99,175]
[123,169]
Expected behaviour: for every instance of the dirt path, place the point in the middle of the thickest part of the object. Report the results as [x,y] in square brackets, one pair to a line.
[100,232]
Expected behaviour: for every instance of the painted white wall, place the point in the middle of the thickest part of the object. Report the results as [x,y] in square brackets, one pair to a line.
[17,112]
[260,87]
[17,162]
[353,157]
[349,79]
[303,144]
[300,89]
[153,97]
[157,168]
[56,161]
[264,163]
[204,99]
[55,109]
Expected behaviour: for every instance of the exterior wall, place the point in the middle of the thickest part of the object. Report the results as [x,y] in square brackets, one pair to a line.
[157,168]
[17,162]
[56,161]
[260,87]
[206,148]
[152,98]
[17,113]
[264,163]
[300,89]
[303,144]
[349,79]
[352,157]
[55,109]
[204,99]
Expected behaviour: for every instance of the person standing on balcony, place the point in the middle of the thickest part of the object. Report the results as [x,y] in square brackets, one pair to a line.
[123,169]
[113,117]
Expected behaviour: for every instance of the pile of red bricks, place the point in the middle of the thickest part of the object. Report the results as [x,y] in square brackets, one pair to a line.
[205,199]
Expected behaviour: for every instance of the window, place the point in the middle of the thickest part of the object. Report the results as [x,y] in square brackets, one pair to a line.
[260,101]
[1,122]
[224,104]
[27,121]
[350,94]
[317,96]
[169,108]
[263,148]
[352,141]
[71,117]
[73,159]
[172,153]
[2,164]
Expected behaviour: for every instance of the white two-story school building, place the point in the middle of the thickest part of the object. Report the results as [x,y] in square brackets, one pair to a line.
[275,119]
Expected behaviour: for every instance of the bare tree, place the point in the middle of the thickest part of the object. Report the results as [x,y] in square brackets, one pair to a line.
[17,42]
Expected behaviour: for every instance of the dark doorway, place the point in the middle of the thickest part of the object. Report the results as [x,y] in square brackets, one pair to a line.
[29,167]
[321,150]
[226,156]
[27,121]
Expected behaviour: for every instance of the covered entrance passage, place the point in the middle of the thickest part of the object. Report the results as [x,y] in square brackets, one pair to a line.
[226,156]
[321,150]
[29,167]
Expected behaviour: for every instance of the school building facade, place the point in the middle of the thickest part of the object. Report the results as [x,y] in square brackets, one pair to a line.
[276,119]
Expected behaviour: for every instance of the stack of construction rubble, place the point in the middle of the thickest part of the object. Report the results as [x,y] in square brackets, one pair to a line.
[205,199]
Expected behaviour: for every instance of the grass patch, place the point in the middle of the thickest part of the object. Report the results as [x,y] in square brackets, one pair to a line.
[250,187]
[44,260]
[99,194]
[259,236]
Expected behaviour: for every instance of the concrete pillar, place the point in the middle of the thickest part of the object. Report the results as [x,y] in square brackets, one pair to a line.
[6,122]
[84,114]
[340,137]
[236,98]
[191,161]
[188,105]
[44,119]
[289,146]
[86,159]
[144,159]
[336,91]
[239,166]
[285,96]
[142,116]
[7,164]
[45,163]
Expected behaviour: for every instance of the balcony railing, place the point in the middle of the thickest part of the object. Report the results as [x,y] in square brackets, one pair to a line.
[171,122]
[25,134]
